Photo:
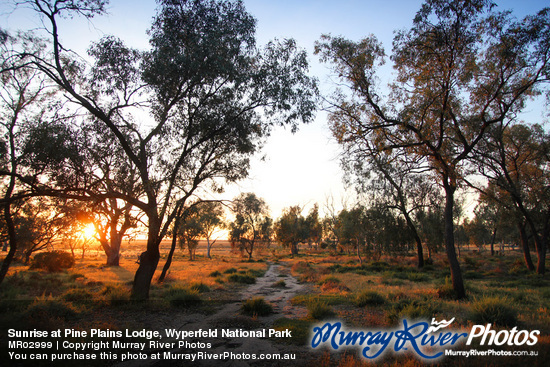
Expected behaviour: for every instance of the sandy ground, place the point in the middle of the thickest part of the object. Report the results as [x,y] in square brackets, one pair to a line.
[229,316]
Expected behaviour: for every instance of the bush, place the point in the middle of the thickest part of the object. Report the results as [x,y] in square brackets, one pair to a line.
[183,297]
[199,287]
[230,271]
[52,261]
[411,310]
[493,310]
[256,307]
[78,296]
[370,298]
[446,290]
[319,310]
[46,310]
[241,278]
[116,295]
[215,274]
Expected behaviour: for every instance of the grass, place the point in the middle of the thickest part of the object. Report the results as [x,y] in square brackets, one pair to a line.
[182,297]
[493,310]
[242,278]
[319,309]
[256,307]
[379,293]
[370,298]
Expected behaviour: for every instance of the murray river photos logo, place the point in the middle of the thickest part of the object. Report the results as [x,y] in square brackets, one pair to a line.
[428,341]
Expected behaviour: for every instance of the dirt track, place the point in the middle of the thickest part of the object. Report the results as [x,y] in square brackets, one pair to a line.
[229,317]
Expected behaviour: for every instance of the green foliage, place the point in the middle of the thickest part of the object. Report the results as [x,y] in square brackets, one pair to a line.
[116,295]
[199,287]
[242,278]
[182,297]
[49,313]
[446,290]
[494,310]
[411,310]
[369,298]
[256,307]
[52,261]
[215,274]
[319,310]
[300,330]
[230,271]
[79,296]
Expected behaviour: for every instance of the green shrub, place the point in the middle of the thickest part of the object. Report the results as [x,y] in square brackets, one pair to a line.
[417,277]
[80,296]
[182,297]
[255,272]
[44,309]
[199,287]
[242,278]
[494,310]
[116,295]
[410,310]
[256,307]
[230,271]
[369,298]
[215,274]
[299,328]
[319,310]
[52,261]
[446,290]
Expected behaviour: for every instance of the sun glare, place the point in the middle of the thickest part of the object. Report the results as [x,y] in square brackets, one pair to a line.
[88,231]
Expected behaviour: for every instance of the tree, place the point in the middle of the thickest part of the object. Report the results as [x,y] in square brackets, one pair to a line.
[353,230]
[291,228]
[393,178]
[461,68]
[314,227]
[250,213]
[28,114]
[515,160]
[189,110]
[211,219]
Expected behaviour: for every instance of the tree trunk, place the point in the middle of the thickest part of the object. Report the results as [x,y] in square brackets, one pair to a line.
[456,273]
[208,248]
[294,249]
[113,258]
[541,254]
[493,237]
[168,259]
[148,262]
[419,250]
[12,235]
[525,247]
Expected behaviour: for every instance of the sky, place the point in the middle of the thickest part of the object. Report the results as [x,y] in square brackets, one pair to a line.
[292,169]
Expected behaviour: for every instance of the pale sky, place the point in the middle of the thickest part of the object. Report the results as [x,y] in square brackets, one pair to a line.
[298,169]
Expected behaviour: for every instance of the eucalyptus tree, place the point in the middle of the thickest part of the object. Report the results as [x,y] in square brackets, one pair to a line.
[395,179]
[28,118]
[189,110]
[515,160]
[461,68]
[291,228]
[251,212]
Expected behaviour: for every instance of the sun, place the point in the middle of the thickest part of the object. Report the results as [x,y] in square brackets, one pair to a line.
[88,231]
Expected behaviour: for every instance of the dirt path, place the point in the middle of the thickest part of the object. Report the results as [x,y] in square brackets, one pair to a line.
[229,317]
